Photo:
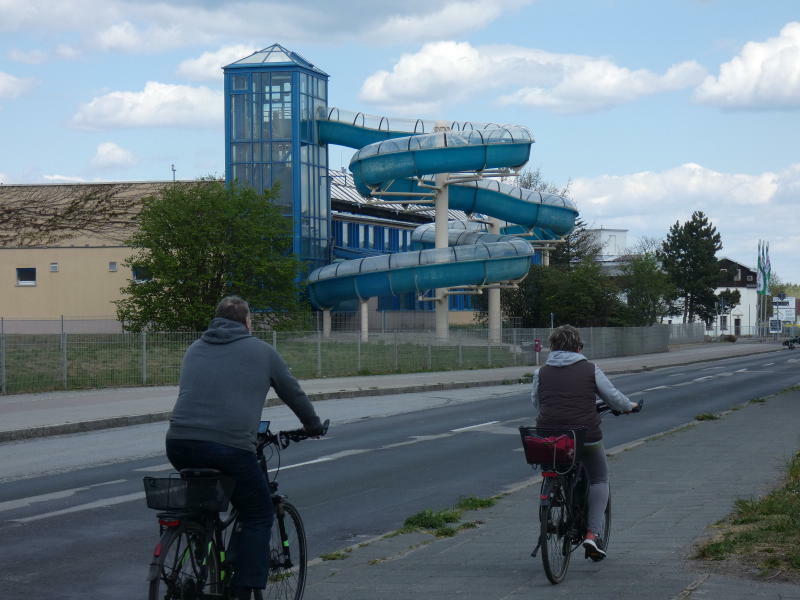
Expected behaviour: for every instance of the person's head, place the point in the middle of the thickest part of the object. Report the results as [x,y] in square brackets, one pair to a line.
[235,309]
[566,337]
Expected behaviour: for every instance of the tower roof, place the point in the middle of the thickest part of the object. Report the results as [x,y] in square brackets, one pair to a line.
[274,55]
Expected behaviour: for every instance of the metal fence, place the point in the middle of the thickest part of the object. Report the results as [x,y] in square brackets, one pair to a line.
[51,361]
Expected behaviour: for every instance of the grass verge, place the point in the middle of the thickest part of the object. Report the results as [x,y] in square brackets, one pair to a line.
[441,522]
[764,532]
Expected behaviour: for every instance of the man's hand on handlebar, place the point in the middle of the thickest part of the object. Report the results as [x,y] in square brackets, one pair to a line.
[316,429]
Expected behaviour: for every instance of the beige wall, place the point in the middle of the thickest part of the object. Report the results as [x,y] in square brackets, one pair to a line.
[83,286]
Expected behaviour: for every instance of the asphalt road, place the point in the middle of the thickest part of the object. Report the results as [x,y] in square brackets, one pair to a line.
[73,523]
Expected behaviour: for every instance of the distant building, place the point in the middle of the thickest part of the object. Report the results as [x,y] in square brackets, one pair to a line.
[741,319]
[613,248]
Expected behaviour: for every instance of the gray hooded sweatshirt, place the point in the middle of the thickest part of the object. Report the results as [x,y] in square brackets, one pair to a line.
[225,377]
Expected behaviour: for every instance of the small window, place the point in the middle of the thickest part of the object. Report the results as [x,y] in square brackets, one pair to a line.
[140,274]
[26,276]
[749,278]
[112,266]
[54,267]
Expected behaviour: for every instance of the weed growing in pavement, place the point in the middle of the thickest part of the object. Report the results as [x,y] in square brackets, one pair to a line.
[334,556]
[765,531]
[706,417]
[429,519]
[758,400]
[475,503]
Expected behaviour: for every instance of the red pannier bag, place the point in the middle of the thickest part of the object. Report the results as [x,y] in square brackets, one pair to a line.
[550,448]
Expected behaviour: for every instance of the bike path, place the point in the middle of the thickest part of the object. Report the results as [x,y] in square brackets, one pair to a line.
[24,416]
[666,493]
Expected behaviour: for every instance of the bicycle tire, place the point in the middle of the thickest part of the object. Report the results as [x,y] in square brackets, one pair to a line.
[556,547]
[605,529]
[182,567]
[287,555]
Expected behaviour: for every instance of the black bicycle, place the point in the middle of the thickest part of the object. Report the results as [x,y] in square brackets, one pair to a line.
[191,561]
[564,496]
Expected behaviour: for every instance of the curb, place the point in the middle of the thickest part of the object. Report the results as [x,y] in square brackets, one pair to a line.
[28,433]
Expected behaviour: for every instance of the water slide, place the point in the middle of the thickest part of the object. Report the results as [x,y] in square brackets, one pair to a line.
[397,160]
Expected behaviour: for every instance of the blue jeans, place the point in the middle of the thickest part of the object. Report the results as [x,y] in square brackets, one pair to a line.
[249,547]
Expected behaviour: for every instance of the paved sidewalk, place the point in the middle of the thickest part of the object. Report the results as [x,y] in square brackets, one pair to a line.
[665,492]
[25,416]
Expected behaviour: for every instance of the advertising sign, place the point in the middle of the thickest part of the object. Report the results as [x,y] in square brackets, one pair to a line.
[784,309]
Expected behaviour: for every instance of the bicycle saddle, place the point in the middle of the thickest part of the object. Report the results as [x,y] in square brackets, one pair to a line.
[191,473]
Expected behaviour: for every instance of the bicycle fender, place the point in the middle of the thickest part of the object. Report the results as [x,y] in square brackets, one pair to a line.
[546,493]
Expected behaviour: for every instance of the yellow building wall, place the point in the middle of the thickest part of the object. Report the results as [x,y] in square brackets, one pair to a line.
[83,286]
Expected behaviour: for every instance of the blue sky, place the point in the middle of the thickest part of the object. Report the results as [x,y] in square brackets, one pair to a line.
[650,110]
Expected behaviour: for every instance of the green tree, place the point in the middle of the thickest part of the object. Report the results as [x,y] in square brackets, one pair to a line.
[578,245]
[647,290]
[689,258]
[198,242]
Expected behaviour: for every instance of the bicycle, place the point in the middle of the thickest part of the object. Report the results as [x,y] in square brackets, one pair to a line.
[564,496]
[191,560]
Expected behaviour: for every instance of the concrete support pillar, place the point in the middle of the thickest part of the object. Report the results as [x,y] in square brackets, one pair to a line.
[495,313]
[545,257]
[326,323]
[441,241]
[364,321]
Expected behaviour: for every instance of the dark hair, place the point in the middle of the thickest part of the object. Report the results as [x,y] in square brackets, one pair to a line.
[566,337]
[233,308]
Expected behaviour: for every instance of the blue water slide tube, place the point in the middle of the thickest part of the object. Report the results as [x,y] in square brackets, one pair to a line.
[396,159]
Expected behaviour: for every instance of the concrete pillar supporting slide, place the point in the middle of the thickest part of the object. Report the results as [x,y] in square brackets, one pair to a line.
[326,323]
[546,257]
[441,241]
[364,321]
[495,314]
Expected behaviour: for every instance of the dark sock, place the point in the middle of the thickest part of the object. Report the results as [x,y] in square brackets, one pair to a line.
[242,593]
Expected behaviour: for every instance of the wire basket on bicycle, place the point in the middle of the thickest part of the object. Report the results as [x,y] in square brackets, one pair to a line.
[552,449]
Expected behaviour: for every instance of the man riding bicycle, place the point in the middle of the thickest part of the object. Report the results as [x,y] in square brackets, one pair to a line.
[225,377]
[564,393]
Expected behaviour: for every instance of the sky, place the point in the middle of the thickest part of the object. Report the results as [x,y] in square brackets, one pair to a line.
[649,110]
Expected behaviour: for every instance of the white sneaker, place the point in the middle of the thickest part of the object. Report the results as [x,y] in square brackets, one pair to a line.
[592,546]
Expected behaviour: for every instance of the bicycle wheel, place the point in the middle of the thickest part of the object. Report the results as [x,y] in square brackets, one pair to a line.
[287,555]
[605,529]
[556,547]
[184,566]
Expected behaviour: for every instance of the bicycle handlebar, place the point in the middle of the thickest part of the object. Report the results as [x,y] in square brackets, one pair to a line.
[603,408]
[283,438]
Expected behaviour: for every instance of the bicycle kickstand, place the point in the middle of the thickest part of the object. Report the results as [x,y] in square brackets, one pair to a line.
[536,550]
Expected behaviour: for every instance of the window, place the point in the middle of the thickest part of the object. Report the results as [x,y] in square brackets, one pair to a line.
[54,267]
[112,266]
[723,322]
[140,274]
[26,276]
[749,278]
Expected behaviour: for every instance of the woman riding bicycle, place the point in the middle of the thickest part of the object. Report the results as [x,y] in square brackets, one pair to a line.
[564,393]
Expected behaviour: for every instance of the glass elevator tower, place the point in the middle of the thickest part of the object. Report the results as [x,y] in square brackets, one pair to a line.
[272,100]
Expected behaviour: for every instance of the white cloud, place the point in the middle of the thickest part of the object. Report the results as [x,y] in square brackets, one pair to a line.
[743,207]
[208,66]
[31,57]
[764,75]
[63,179]
[450,20]
[67,52]
[151,25]
[4,178]
[559,82]
[158,105]
[110,155]
[11,87]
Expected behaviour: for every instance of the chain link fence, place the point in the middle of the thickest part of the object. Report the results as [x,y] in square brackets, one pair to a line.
[34,362]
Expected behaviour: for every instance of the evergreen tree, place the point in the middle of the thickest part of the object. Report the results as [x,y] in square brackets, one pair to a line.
[647,290]
[689,258]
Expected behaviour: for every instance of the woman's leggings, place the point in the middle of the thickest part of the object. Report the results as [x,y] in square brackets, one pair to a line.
[594,457]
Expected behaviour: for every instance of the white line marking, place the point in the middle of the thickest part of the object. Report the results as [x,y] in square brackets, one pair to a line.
[23,502]
[769,364]
[302,464]
[474,426]
[658,387]
[164,467]
[741,370]
[703,378]
[82,507]
[677,375]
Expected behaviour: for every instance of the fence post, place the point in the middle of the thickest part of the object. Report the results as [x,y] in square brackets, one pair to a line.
[430,357]
[275,340]
[64,353]
[144,357]
[3,388]
[319,353]
[514,344]
[460,355]
[359,353]
[489,352]
[396,353]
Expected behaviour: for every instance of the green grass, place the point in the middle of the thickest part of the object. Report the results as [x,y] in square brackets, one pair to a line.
[334,556]
[706,417]
[35,363]
[475,503]
[429,519]
[765,531]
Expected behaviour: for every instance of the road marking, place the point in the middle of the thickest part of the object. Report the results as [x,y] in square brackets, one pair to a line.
[23,502]
[658,387]
[703,378]
[677,375]
[302,464]
[474,426]
[712,368]
[741,370]
[81,507]
[164,467]
[769,364]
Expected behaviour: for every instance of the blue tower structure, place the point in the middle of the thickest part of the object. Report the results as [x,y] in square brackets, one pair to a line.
[272,101]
